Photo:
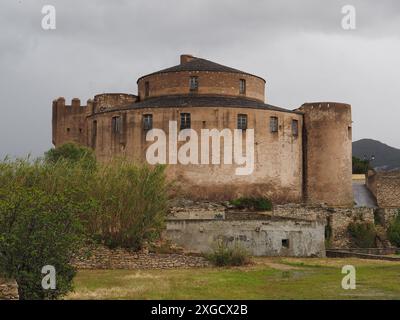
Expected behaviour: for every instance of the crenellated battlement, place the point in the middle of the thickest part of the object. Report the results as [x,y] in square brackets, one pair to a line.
[69,121]
[75,105]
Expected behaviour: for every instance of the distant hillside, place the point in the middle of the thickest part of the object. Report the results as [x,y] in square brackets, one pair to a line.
[386,157]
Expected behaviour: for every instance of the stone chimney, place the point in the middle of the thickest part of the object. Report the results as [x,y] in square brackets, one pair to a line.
[186,58]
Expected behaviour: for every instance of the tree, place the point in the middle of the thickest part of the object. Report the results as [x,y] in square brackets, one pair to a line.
[39,224]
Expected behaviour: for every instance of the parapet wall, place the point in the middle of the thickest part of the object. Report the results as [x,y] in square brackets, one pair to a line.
[106,101]
[385,186]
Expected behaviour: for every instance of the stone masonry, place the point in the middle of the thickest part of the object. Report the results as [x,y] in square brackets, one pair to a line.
[100,257]
[385,186]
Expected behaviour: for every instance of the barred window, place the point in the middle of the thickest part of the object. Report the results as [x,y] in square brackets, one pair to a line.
[194,83]
[146,89]
[242,121]
[295,127]
[273,124]
[185,121]
[242,86]
[147,122]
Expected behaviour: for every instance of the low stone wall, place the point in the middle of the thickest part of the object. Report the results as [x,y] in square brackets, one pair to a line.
[374,251]
[385,186]
[371,181]
[8,289]
[100,257]
[347,254]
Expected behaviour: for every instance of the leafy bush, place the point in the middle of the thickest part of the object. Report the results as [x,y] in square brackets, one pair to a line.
[224,255]
[394,231]
[72,153]
[39,224]
[363,234]
[256,204]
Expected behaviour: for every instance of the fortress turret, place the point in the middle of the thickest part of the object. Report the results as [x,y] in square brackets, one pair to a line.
[327,153]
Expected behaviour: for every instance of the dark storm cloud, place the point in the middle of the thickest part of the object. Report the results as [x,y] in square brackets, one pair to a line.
[104,46]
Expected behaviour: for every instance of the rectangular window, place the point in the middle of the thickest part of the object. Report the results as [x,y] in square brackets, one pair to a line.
[116,125]
[194,83]
[147,122]
[242,121]
[273,124]
[242,86]
[295,127]
[185,121]
[146,89]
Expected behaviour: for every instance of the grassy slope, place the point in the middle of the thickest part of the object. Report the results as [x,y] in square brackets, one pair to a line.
[268,278]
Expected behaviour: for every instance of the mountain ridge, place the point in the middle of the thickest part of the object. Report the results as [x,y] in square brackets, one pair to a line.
[385,156]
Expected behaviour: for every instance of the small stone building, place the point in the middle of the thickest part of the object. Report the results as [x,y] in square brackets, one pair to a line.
[300,155]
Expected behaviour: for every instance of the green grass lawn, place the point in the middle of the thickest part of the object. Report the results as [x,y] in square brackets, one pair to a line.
[267,278]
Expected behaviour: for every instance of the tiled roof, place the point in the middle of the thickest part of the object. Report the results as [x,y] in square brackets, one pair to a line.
[198,64]
[203,101]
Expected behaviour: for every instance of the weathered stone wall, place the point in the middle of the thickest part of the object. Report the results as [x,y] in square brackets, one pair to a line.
[371,182]
[385,186]
[100,257]
[106,101]
[327,153]
[8,289]
[278,156]
[340,219]
[337,219]
[386,215]
[260,234]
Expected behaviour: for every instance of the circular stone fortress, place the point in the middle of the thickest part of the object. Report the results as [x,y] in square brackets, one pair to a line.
[301,155]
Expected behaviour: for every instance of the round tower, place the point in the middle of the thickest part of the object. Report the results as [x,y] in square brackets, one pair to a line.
[327,150]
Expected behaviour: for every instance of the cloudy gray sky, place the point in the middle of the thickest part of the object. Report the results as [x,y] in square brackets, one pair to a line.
[299,47]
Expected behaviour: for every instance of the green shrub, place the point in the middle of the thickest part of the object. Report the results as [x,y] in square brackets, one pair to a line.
[225,255]
[73,153]
[363,234]
[253,203]
[393,232]
[40,205]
